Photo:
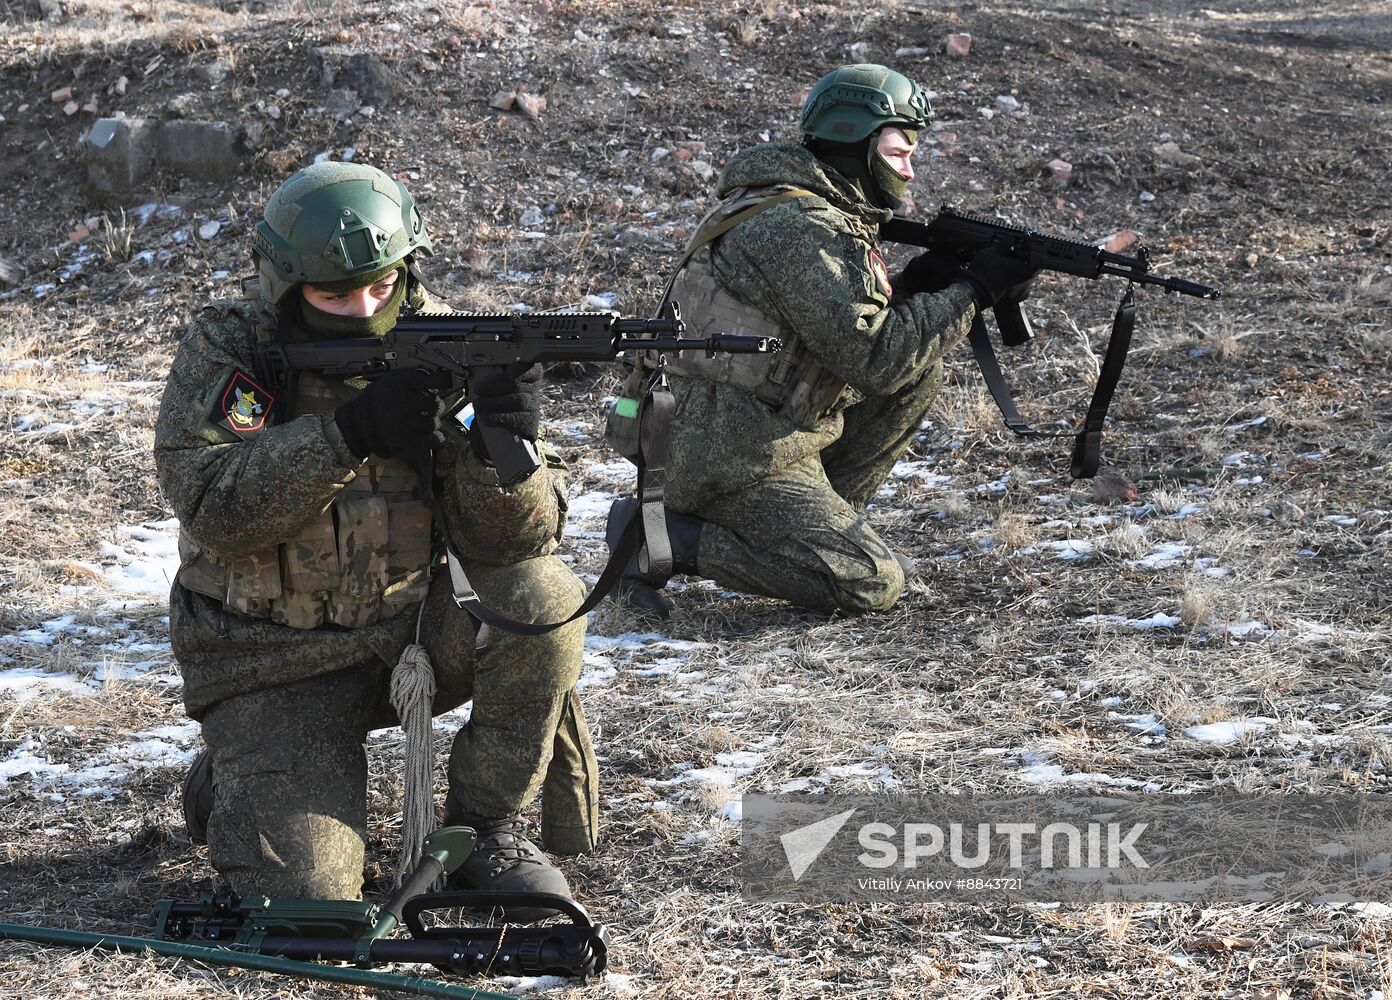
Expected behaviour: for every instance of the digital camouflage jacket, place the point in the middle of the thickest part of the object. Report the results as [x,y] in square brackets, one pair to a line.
[242,482]
[813,267]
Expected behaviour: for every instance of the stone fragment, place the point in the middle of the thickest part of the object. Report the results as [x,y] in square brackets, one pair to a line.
[181,105]
[531,217]
[71,108]
[61,95]
[119,153]
[701,169]
[209,151]
[209,229]
[375,83]
[910,52]
[958,45]
[10,273]
[1008,102]
[341,103]
[503,100]
[1121,242]
[531,105]
[213,72]
[1060,171]
[1170,155]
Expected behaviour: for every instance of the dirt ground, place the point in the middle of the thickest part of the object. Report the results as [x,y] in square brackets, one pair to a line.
[1247,144]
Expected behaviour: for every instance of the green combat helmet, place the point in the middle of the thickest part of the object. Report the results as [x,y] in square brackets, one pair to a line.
[854,102]
[332,222]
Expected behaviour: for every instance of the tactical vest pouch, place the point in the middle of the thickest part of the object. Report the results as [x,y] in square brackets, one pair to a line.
[198,572]
[790,381]
[408,558]
[354,613]
[621,420]
[299,610]
[363,531]
[254,578]
[310,559]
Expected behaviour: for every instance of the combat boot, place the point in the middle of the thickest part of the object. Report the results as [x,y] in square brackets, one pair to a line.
[504,860]
[198,797]
[642,592]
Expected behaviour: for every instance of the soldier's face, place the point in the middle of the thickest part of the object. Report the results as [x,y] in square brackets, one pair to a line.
[361,302]
[897,151]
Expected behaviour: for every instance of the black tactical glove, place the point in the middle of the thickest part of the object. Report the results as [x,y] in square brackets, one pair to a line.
[394,415]
[928,272]
[995,276]
[510,402]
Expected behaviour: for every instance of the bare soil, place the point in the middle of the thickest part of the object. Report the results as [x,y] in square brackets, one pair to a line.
[1247,144]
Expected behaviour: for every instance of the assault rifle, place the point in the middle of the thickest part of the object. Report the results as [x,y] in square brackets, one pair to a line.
[292,937]
[955,237]
[454,343]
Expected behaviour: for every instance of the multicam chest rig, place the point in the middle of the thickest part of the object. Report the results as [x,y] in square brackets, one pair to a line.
[363,559]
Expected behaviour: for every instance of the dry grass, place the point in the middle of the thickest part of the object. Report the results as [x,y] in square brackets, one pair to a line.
[985,658]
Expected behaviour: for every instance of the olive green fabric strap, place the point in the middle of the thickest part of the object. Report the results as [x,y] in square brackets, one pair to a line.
[709,233]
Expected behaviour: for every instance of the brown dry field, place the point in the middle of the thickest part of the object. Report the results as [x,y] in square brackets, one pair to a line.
[1256,428]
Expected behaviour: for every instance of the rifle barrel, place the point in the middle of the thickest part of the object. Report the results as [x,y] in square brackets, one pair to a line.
[1180,285]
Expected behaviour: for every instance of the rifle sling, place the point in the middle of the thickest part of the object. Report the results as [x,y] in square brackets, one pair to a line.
[702,236]
[1087,441]
[648,525]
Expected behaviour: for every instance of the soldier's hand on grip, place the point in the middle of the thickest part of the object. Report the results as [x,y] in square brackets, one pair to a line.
[995,276]
[928,272]
[394,415]
[505,400]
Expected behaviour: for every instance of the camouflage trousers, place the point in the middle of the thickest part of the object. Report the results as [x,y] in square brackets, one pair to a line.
[800,534]
[290,804]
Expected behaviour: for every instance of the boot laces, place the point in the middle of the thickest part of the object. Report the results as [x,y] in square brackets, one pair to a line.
[501,844]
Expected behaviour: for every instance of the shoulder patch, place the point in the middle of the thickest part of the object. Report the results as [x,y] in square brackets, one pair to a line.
[878,269]
[242,406]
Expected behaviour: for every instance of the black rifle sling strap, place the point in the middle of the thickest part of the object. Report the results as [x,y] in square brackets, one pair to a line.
[654,424]
[1087,442]
[1087,446]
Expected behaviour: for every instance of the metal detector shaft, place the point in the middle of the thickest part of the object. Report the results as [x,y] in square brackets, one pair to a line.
[243,960]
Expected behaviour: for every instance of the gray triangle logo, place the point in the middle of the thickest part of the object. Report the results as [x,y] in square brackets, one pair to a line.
[805,844]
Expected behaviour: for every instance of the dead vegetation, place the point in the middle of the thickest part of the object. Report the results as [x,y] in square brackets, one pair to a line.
[1255,429]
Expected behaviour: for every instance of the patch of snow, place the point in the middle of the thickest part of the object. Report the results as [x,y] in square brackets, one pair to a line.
[1069,550]
[1157,620]
[1242,630]
[146,560]
[1167,556]
[1229,732]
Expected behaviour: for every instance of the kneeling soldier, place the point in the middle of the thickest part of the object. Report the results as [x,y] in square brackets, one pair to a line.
[309,562]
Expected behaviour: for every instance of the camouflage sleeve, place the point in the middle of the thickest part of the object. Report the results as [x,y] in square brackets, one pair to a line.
[830,285]
[496,524]
[239,492]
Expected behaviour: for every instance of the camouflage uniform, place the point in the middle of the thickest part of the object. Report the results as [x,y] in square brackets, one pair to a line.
[285,705]
[782,496]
